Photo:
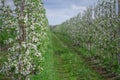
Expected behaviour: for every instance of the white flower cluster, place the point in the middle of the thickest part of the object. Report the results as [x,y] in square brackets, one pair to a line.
[25,53]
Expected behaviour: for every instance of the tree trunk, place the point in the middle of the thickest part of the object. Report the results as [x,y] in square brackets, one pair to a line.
[22,33]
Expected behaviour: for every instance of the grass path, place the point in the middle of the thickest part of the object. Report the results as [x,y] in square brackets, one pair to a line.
[68,65]
[63,63]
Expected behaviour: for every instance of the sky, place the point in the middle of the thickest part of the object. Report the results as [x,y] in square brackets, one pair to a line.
[58,11]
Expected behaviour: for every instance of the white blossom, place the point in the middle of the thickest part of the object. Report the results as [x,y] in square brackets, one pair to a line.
[24,47]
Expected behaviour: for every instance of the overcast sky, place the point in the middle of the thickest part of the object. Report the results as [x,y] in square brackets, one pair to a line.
[58,11]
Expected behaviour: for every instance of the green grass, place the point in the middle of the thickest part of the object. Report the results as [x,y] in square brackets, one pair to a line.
[61,62]
[3,58]
[48,72]
[73,65]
